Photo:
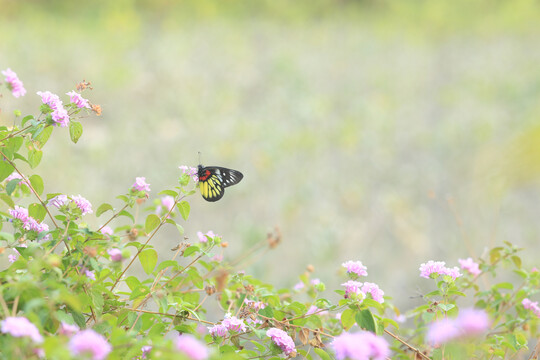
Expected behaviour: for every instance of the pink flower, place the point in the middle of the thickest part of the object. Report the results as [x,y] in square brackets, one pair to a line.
[433,269]
[140,184]
[19,213]
[115,254]
[168,202]
[257,305]
[90,274]
[469,265]
[68,329]
[355,268]
[232,323]
[299,286]
[373,289]
[191,171]
[60,115]
[89,342]
[83,204]
[14,84]
[353,287]
[59,201]
[472,321]
[360,346]
[468,323]
[218,330]
[16,175]
[315,281]
[12,258]
[217,257]
[50,99]
[78,100]
[145,351]
[21,327]
[107,230]
[281,339]
[529,305]
[203,237]
[193,348]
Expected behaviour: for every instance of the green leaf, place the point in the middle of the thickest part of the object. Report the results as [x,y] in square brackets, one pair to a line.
[37,211]
[152,222]
[5,170]
[503,285]
[25,119]
[12,185]
[148,259]
[446,307]
[180,229]
[190,250]
[37,183]
[517,261]
[43,137]
[34,157]
[167,263]
[127,214]
[13,145]
[184,208]
[195,278]
[366,321]
[347,318]
[168,192]
[7,199]
[322,354]
[102,208]
[75,130]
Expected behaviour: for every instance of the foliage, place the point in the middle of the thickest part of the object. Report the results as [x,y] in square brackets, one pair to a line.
[65,273]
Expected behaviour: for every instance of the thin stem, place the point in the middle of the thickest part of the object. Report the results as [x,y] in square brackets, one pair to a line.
[112,218]
[146,243]
[415,350]
[30,186]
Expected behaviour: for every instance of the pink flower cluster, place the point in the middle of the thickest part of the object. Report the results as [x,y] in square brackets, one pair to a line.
[362,289]
[203,237]
[469,265]
[61,200]
[281,339]
[29,223]
[21,327]
[89,342]
[14,84]
[140,184]
[16,175]
[190,346]
[191,171]
[433,269]
[167,202]
[229,324]
[12,258]
[468,323]
[355,268]
[59,113]
[360,346]
[529,305]
[78,100]
[115,254]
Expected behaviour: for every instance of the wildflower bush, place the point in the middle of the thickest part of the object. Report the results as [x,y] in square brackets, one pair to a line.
[67,290]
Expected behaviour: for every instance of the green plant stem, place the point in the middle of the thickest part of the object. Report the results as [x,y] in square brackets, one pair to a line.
[164,218]
[112,218]
[31,187]
[415,350]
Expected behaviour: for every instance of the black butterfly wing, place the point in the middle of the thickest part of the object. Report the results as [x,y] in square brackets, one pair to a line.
[214,179]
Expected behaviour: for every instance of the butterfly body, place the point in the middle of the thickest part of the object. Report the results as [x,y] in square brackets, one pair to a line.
[214,179]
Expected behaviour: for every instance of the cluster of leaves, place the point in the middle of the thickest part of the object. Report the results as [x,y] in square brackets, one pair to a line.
[68,275]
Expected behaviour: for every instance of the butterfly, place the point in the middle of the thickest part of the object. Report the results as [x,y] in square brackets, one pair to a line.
[214,179]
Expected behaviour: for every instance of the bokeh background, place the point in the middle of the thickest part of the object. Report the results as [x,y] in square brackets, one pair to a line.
[391,132]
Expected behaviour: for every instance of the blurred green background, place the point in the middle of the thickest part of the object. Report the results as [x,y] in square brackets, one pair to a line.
[391,132]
